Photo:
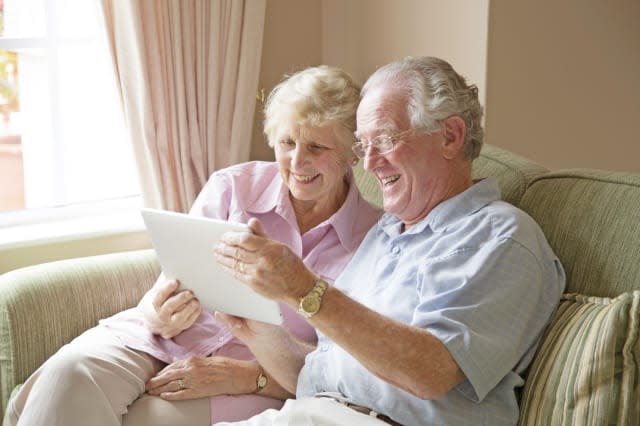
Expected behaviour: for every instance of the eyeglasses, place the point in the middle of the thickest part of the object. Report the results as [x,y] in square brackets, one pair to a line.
[382,144]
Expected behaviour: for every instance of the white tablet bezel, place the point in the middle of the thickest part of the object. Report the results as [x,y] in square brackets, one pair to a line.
[184,246]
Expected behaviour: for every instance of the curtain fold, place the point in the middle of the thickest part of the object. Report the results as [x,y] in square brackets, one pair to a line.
[187,72]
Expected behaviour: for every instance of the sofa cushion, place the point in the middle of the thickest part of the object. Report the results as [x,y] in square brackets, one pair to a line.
[63,298]
[591,221]
[513,172]
[367,184]
[586,369]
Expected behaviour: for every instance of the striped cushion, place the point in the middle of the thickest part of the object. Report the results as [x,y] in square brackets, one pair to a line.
[586,369]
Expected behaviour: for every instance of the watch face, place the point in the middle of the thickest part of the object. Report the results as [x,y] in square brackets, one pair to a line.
[311,304]
[262,381]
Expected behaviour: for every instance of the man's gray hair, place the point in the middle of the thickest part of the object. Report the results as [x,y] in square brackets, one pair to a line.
[435,91]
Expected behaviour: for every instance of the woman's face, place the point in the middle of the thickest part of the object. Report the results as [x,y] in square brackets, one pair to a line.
[312,162]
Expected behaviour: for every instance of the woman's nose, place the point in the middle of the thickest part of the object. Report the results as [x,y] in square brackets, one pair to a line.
[298,156]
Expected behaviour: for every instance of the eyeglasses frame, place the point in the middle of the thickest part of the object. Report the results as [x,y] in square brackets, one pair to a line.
[392,139]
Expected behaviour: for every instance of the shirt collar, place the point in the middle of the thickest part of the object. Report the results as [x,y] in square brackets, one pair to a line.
[473,199]
[271,196]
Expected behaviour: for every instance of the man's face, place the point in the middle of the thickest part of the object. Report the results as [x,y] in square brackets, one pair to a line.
[415,176]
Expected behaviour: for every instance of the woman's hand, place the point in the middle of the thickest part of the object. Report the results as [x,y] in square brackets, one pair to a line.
[267,266]
[168,312]
[200,377]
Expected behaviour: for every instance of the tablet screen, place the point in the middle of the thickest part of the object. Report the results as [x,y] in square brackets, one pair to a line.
[184,246]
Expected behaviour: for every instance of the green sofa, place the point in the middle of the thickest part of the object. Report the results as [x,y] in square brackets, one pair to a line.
[586,371]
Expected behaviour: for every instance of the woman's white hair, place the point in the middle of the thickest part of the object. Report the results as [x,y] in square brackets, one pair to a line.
[315,97]
[435,91]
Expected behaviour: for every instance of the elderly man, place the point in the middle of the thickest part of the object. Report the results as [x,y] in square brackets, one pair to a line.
[441,309]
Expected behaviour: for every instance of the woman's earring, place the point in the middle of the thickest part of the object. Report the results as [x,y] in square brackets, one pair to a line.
[354,161]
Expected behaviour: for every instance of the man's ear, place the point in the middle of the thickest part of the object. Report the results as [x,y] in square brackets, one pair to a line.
[454,130]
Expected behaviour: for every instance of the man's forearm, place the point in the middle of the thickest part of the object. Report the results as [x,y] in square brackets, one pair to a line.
[282,357]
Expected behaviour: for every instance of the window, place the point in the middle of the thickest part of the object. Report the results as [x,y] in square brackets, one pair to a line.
[62,135]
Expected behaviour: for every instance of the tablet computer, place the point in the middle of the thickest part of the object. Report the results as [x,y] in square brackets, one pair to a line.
[184,245]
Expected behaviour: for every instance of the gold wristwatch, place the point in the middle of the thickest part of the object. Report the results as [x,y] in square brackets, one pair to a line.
[261,381]
[310,304]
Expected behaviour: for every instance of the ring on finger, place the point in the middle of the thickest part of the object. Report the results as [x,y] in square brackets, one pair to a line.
[241,267]
[181,384]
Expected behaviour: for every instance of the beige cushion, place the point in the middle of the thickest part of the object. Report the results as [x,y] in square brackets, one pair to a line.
[44,306]
[586,369]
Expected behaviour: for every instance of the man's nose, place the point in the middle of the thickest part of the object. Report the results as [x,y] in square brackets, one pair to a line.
[371,158]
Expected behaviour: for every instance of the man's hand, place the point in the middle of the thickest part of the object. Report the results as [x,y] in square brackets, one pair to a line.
[277,350]
[267,266]
[252,332]
[167,312]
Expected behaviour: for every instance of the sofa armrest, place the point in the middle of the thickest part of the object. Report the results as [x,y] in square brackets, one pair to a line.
[45,306]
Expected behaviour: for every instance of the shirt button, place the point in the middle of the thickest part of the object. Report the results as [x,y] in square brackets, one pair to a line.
[395,250]
[221,339]
[324,348]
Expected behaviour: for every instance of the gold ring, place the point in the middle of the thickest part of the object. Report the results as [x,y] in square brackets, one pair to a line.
[241,267]
[181,384]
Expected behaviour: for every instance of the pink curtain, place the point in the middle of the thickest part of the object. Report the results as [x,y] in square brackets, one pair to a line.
[188,74]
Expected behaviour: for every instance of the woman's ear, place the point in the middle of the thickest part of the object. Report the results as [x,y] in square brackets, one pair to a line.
[454,131]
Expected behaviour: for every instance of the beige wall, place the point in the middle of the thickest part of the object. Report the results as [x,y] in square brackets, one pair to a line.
[292,41]
[563,83]
[560,80]
[360,35]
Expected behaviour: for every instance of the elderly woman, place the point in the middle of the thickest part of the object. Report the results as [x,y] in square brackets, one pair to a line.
[193,370]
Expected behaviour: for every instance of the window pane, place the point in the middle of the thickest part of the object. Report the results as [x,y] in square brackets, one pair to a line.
[62,135]
[97,156]
[66,18]
[11,165]
[23,18]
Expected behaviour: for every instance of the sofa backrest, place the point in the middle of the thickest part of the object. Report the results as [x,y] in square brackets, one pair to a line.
[591,219]
[513,172]
[367,184]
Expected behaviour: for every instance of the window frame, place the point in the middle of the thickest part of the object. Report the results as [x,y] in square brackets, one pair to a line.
[56,223]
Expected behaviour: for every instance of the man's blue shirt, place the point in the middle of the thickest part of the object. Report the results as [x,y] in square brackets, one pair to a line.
[478,274]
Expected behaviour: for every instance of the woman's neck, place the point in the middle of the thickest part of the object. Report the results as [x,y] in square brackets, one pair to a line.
[310,214]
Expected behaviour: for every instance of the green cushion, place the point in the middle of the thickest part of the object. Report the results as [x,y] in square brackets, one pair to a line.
[44,306]
[513,172]
[586,369]
[367,184]
[592,221]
